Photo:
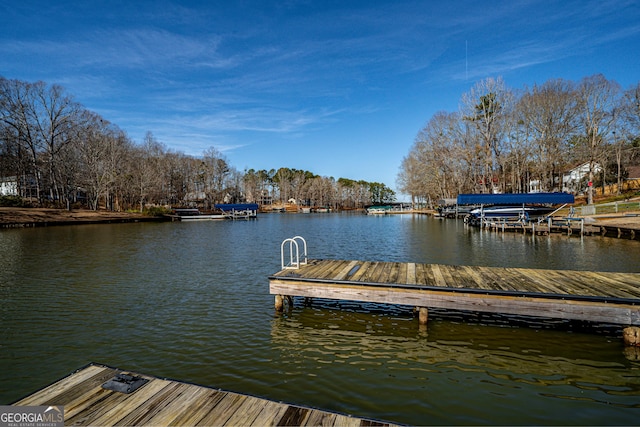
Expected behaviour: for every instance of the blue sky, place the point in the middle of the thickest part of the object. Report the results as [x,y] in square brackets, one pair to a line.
[339,88]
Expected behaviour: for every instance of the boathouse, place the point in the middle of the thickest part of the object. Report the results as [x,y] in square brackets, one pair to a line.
[516,199]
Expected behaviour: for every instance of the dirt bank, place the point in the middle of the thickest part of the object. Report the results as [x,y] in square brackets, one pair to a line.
[33,217]
[631,220]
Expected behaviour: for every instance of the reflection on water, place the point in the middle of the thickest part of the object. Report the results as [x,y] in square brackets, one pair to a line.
[190,301]
[459,372]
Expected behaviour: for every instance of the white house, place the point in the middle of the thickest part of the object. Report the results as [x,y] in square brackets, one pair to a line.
[573,180]
[9,186]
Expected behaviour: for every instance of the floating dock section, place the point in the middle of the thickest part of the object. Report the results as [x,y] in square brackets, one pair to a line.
[100,395]
[603,297]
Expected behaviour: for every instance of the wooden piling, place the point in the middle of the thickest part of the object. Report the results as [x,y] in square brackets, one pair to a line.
[631,336]
[279,304]
[423,315]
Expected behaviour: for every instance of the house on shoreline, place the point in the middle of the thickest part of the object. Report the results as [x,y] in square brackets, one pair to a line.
[9,186]
[574,180]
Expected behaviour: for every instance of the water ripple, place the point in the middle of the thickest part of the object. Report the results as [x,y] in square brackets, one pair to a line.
[191,301]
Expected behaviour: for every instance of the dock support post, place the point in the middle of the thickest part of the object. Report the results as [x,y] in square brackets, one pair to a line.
[423,315]
[279,303]
[631,336]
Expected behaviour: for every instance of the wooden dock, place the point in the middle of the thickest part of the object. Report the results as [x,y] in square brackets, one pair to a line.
[567,226]
[602,297]
[164,402]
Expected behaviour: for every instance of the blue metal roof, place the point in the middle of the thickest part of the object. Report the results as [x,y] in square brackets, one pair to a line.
[515,199]
[227,207]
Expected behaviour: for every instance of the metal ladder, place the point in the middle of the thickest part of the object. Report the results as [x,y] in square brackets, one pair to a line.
[294,255]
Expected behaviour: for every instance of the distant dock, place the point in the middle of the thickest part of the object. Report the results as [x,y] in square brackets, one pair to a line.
[567,226]
[602,297]
[89,397]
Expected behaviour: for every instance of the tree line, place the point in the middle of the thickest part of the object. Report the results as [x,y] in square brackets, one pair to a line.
[287,185]
[61,153]
[503,139]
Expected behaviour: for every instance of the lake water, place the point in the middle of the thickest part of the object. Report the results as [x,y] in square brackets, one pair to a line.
[190,301]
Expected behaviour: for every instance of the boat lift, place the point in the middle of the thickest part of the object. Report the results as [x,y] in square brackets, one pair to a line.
[514,199]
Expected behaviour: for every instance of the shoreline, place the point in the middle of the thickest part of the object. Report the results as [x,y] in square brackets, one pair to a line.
[11,217]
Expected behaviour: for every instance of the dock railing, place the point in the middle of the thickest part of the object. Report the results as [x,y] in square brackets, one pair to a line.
[611,208]
[294,252]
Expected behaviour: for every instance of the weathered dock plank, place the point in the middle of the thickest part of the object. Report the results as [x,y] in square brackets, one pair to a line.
[102,407]
[373,272]
[224,410]
[164,402]
[424,274]
[395,272]
[621,282]
[360,273]
[320,269]
[534,280]
[490,279]
[70,388]
[411,274]
[592,296]
[403,273]
[343,274]
[270,411]
[623,279]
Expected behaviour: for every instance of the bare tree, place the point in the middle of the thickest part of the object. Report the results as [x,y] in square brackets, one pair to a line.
[215,171]
[485,106]
[283,179]
[56,114]
[101,147]
[145,170]
[251,185]
[18,116]
[298,181]
[409,178]
[548,115]
[321,191]
[40,119]
[442,161]
[597,99]
[630,120]
[434,146]
[519,143]
[177,169]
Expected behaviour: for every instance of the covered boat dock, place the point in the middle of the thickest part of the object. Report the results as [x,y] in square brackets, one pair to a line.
[517,209]
[515,199]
